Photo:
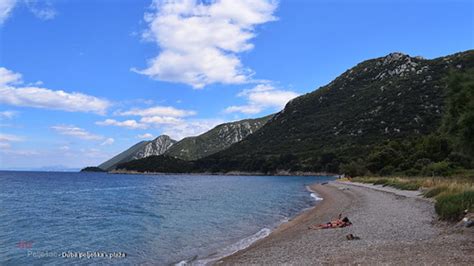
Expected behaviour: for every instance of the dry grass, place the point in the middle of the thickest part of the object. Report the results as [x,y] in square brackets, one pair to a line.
[452,195]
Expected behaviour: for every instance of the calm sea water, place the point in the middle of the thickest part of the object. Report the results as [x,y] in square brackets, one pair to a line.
[52,218]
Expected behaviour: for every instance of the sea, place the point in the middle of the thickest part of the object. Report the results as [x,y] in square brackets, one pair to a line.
[52,218]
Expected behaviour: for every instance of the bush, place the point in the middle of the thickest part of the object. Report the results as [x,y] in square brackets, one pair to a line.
[467,130]
[406,186]
[382,157]
[422,163]
[434,147]
[435,191]
[459,159]
[387,170]
[412,172]
[452,206]
[382,181]
[437,169]
[354,168]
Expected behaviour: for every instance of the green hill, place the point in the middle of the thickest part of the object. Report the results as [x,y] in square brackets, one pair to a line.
[191,148]
[216,139]
[367,116]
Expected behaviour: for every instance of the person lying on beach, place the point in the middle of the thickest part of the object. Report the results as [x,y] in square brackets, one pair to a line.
[338,223]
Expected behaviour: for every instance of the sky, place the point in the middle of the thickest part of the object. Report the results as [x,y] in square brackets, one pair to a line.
[82,80]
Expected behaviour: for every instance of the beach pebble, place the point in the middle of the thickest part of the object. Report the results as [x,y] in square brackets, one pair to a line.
[467,222]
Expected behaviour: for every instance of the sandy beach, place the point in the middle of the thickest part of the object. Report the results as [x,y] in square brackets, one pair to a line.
[395,227]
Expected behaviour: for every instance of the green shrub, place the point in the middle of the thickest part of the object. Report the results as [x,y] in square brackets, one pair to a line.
[387,170]
[438,169]
[412,172]
[435,191]
[459,159]
[381,181]
[407,186]
[452,206]
[434,147]
[354,168]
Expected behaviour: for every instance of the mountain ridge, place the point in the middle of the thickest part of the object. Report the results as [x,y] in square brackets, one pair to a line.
[391,98]
[140,150]
[190,148]
[216,139]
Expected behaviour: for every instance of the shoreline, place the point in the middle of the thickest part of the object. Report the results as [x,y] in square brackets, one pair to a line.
[393,227]
[320,207]
[249,241]
[233,173]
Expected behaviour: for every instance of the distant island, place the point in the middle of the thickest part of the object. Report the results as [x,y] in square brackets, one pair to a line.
[92,169]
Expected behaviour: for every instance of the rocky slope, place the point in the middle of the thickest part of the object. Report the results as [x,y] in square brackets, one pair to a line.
[191,148]
[140,150]
[216,139]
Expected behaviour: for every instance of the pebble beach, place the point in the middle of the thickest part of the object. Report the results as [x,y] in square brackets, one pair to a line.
[394,227]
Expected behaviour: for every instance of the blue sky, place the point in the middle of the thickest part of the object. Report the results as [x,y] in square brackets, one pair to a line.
[83,80]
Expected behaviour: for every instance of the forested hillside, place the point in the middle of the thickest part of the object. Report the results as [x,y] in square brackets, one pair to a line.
[394,114]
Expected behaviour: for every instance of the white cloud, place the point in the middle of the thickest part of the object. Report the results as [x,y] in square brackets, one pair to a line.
[5,145]
[145,122]
[245,109]
[132,124]
[20,152]
[6,6]
[200,42]
[159,120]
[261,97]
[65,148]
[8,114]
[37,83]
[9,77]
[158,111]
[190,128]
[145,136]
[49,99]
[7,139]
[76,132]
[31,96]
[108,141]
[42,9]
[153,116]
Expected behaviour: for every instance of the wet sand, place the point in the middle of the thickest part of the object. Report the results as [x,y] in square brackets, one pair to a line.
[394,228]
